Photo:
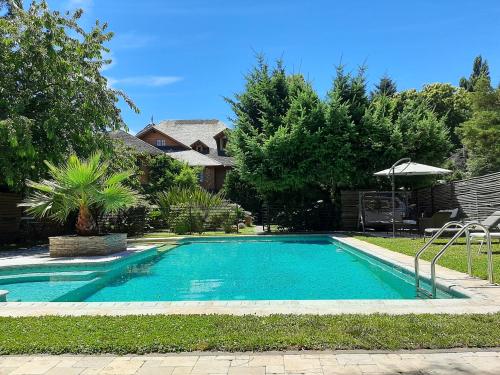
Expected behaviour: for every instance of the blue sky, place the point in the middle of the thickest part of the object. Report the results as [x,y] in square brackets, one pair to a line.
[178,58]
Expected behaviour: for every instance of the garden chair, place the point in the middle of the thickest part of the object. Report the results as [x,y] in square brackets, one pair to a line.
[430,226]
[492,222]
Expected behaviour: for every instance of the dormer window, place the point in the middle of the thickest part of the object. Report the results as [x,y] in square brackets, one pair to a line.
[200,147]
[161,143]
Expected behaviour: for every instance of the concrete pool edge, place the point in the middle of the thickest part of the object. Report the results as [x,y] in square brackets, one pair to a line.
[483,298]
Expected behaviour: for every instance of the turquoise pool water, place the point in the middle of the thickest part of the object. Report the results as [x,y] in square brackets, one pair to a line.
[270,268]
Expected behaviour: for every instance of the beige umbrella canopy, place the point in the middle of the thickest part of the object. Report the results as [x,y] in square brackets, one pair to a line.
[412,169]
[405,167]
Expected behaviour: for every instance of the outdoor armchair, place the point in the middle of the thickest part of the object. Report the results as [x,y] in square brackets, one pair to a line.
[429,226]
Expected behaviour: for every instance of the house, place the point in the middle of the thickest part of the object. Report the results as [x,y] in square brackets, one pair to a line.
[199,143]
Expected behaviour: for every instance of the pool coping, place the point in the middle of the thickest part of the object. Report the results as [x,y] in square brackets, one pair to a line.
[483,298]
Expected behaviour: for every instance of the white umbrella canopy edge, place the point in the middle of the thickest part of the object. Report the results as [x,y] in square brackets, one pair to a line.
[412,169]
[405,167]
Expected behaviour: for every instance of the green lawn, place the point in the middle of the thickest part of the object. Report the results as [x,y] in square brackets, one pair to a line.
[163,234]
[144,334]
[454,258]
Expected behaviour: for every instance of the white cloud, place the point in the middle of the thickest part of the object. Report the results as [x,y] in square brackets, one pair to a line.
[150,81]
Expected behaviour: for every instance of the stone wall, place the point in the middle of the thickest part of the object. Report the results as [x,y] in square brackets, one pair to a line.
[73,246]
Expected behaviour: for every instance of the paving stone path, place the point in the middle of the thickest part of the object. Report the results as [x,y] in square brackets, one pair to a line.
[317,363]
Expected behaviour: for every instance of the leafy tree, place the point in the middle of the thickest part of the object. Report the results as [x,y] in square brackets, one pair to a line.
[83,186]
[423,137]
[481,134]
[378,143]
[9,6]
[386,86]
[237,190]
[450,104]
[187,177]
[396,127]
[284,145]
[480,70]
[53,99]
[165,173]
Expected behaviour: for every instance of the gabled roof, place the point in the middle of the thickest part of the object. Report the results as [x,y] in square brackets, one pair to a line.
[188,132]
[135,143]
[200,142]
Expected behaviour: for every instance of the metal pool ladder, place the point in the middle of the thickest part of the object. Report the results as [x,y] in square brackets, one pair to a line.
[464,228]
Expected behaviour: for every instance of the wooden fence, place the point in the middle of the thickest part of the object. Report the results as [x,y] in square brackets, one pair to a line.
[476,198]
[10,216]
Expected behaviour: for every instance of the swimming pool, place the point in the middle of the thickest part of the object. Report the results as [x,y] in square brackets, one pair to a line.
[254,268]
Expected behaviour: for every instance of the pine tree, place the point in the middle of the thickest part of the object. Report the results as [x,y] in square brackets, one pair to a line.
[480,69]
[481,134]
[386,87]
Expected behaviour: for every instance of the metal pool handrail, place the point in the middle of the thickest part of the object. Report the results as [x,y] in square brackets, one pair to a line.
[426,246]
[465,229]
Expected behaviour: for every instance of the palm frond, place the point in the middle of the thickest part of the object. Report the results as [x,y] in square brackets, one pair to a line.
[114,198]
[117,178]
[79,184]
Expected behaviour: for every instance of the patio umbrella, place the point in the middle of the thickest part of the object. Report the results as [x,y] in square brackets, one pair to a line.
[405,167]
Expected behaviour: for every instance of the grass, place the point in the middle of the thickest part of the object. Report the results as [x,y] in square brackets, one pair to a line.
[164,234]
[455,257]
[160,333]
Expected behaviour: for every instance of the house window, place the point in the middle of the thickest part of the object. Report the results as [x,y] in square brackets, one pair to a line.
[201,177]
[160,142]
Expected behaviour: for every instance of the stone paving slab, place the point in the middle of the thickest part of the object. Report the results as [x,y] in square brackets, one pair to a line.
[319,363]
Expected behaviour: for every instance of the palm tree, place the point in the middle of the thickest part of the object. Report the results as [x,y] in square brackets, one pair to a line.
[83,186]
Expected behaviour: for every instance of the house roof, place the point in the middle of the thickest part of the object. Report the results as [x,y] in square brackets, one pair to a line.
[189,131]
[223,159]
[133,142]
[194,158]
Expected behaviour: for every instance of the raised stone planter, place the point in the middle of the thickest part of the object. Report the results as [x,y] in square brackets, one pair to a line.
[73,246]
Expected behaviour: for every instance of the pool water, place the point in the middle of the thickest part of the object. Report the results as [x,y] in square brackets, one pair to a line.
[272,268]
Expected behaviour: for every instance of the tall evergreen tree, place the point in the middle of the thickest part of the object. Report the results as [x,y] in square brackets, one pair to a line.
[481,133]
[480,69]
[288,144]
[386,86]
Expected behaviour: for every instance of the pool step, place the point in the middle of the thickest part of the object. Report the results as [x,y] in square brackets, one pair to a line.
[423,294]
[49,276]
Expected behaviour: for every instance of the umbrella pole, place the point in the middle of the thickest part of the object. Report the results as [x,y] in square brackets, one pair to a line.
[393,205]
[393,183]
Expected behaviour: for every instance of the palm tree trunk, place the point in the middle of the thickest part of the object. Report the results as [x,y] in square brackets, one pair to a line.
[85,224]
